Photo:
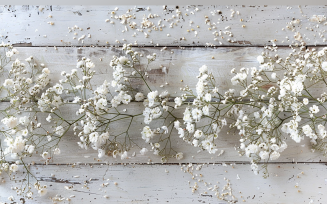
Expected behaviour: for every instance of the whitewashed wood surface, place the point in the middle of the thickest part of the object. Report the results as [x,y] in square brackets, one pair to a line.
[289,183]
[298,176]
[29,26]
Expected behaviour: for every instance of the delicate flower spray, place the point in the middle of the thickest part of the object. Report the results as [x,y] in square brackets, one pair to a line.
[268,106]
[204,115]
[283,104]
[21,132]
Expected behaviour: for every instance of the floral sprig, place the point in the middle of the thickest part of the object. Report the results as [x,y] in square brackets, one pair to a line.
[266,106]
[21,133]
[282,103]
[204,117]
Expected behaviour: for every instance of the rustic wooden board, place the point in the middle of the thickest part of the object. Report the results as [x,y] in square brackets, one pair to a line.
[288,183]
[28,25]
[71,153]
[182,64]
[296,177]
[177,67]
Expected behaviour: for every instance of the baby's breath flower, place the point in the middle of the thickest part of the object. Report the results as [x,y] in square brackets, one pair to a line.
[147,133]
[178,102]
[139,97]
[13,168]
[56,151]
[42,191]
[59,130]
[143,151]
[179,156]
[260,59]
[49,118]
[124,155]
[8,83]
[10,122]
[324,66]
[151,97]
[45,155]
[314,109]
[274,155]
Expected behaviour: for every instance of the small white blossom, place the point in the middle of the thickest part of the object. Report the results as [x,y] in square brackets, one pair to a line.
[42,191]
[24,120]
[60,130]
[203,69]
[101,153]
[13,168]
[190,127]
[10,122]
[324,66]
[139,97]
[45,155]
[176,124]
[275,155]
[314,109]
[30,149]
[151,97]
[147,133]
[8,83]
[179,156]
[207,97]
[58,88]
[264,155]
[198,134]
[48,118]
[56,151]
[178,102]
[124,155]
[196,114]
[144,151]
[260,59]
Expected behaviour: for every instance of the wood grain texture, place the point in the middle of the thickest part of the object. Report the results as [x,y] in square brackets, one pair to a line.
[288,183]
[30,25]
[298,176]
[182,64]
[71,153]
[175,66]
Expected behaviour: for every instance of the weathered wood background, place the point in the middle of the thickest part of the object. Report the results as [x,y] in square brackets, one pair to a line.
[299,176]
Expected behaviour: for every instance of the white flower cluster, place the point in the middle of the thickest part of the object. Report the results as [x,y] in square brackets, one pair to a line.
[275,102]
[22,133]
[157,108]
[51,99]
[205,135]
[123,70]
[155,105]
[287,80]
[23,86]
[8,51]
[103,108]
[147,133]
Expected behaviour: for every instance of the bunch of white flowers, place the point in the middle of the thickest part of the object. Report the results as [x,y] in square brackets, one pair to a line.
[8,51]
[202,125]
[102,108]
[271,90]
[265,105]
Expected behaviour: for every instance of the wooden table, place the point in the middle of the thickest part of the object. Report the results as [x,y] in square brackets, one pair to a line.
[298,176]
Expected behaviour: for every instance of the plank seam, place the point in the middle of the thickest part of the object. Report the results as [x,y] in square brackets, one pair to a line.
[171,164]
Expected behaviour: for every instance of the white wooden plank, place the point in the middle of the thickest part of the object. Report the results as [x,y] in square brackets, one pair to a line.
[181,66]
[71,153]
[288,183]
[30,25]
[158,183]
